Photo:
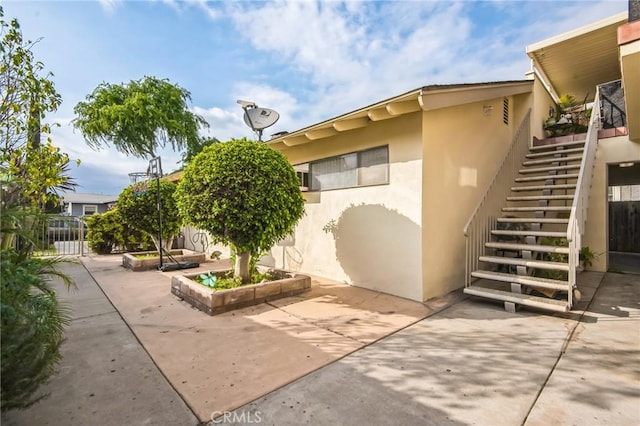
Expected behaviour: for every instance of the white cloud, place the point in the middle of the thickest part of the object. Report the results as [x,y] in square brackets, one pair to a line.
[109,5]
[224,124]
[355,54]
[207,7]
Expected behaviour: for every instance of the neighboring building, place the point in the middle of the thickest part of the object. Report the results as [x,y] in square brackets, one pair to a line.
[79,204]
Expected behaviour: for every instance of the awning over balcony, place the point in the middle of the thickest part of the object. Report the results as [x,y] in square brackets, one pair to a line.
[577,61]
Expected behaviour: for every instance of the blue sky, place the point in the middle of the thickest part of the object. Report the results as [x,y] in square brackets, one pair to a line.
[308,60]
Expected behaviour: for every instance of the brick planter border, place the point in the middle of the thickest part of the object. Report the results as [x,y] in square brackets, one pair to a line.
[129,260]
[214,302]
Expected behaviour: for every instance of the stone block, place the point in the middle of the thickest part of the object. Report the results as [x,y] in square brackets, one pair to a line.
[238,295]
[291,285]
[267,289]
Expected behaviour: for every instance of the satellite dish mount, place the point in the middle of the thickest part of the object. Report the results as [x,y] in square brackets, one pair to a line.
[258,118]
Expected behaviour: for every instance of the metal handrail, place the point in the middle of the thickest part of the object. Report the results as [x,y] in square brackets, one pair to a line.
[578,216]
[477,230]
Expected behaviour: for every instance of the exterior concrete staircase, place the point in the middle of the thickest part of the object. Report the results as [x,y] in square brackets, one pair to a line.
[525,258]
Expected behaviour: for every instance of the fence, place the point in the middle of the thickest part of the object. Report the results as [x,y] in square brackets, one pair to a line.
[64,236]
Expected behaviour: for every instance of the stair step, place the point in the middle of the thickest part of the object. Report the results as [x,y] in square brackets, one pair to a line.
[555,152]
[545,177]
[539,264]
[520,299]
[531,220]
[535,209]
[522,279]
[544,187]
[553,160]
[548,169]
[554,147]
[541,197]
[527,247]
[524,233]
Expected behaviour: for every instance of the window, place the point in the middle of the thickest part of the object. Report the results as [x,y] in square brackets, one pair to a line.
[364,168]
[88,209]
[302,171]
[624,193]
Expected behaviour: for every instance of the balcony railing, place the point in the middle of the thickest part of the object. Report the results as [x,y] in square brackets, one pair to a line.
[612,109]
[578,217]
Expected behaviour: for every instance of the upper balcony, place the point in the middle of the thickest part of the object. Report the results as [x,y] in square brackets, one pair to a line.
[578,61]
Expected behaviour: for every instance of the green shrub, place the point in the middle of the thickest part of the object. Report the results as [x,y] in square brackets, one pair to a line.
[140,211]
[554,257]
[108,231]
[245,194]
[32,327]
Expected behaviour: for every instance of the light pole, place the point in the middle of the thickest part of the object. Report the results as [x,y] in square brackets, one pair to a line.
[155,170]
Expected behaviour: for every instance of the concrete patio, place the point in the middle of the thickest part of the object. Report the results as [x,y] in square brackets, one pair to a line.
[135,354]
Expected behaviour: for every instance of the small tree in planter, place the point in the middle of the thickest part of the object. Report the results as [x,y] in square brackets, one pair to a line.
[140,211]
[245,194]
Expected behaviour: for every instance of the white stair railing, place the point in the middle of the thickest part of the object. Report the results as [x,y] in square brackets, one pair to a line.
[477,231]
[578,216]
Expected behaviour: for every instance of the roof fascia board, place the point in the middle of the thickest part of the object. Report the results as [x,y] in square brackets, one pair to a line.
[437,99]
[546,82]
[357,114]
[619,18]
[399,105]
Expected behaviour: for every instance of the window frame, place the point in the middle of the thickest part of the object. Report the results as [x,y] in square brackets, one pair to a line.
[357,169]
[84,209]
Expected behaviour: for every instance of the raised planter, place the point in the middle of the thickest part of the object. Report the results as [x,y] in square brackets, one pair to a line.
[214,302]
[130,261]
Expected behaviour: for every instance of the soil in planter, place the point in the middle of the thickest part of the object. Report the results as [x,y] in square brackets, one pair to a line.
[226,280]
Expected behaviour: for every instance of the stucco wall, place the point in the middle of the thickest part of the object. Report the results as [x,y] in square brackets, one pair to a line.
[77,210]
[371,236]
[610,151]
[463,147]
[201,241]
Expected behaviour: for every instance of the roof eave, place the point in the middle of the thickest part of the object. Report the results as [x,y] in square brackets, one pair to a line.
[423,99]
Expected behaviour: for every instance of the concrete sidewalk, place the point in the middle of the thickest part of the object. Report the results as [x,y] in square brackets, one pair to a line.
[475,364]
[323,358]
[220,363]
[105,376]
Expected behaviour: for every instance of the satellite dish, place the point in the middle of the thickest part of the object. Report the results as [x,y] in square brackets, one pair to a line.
[260,118]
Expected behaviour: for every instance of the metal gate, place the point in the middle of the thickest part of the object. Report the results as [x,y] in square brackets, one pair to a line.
[64,236]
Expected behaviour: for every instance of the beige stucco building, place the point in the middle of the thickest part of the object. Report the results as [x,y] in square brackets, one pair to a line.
[396,231]
[389,187]
[411,195]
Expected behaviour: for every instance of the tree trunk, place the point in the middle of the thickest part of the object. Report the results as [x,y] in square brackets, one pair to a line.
[166,243]
[241,269]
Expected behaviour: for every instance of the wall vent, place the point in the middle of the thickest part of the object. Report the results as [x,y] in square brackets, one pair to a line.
[505,111]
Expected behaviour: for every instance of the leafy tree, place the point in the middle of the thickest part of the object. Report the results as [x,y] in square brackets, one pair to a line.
[140,211]
[108,230]
[138,117]
[31,171]
[194,147]
[244,194]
